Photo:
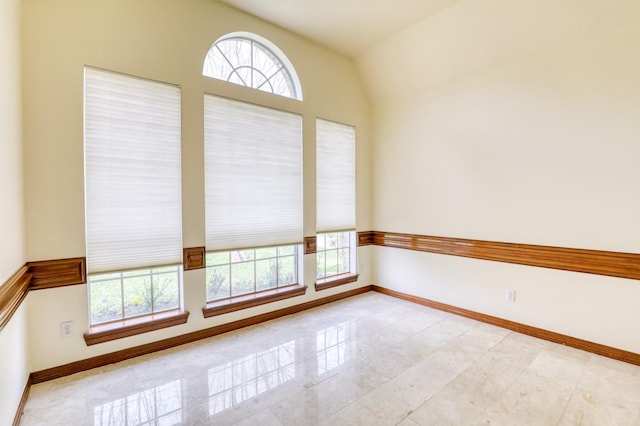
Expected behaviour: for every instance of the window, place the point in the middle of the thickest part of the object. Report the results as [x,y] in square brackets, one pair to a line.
[118,295]
[253,197]
[238,272]
[132,195]
[249,60]
[334,254]
[335,168]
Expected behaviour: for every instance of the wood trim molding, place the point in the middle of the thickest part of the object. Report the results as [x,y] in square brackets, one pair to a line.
[365,238]
[193,258]
[310,245]
[12,293]
[133,326]
[23,402]
[58,273]
[615,264]
[124,354]
[335,281]
[250,300]
[585,345]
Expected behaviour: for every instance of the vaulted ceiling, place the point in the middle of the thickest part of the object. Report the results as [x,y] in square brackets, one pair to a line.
[402,47]
[346,26]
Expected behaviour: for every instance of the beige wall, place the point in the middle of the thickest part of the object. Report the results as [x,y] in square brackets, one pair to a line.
[518,122]
[12,250]
[14,365]
[13,341]
[165,41]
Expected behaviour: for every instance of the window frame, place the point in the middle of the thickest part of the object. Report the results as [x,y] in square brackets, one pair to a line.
[253,260]
[234,229]
[123,276]
[339,278]
[110,98]
[335,196]
[265,46]
[248,300]
[107,331]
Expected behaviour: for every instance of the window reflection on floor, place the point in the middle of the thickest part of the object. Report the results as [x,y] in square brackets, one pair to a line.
[160,405]
[242,379]
[335,346]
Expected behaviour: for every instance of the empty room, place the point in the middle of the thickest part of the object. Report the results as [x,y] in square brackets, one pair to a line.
[280,212]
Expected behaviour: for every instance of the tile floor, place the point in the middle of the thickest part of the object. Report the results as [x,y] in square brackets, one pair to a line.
[367,360]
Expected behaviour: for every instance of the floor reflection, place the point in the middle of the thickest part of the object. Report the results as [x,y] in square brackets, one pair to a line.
[335,346]
[234,382]
[160,405]
[304,370]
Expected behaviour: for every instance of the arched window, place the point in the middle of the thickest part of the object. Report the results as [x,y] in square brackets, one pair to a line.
[250,60]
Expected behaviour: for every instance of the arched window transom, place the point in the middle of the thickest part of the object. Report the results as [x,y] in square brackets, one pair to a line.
[249,60]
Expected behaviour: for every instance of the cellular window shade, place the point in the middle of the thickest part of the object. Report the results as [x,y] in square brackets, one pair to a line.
[253,175]
[335,176]
[132,172]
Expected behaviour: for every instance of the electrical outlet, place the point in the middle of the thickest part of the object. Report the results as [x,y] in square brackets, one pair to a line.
[66,329]
[510,295]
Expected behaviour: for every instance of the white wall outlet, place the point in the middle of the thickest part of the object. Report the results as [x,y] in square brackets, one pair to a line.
[66,329]
[510,295]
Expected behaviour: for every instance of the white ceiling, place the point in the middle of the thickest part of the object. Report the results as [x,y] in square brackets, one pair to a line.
[346,26]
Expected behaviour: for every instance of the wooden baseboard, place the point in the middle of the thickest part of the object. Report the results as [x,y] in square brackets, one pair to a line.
[122,355]
[23,402]
[585,345]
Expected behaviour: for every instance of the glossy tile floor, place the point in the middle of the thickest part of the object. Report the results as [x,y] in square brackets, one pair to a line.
[367,360]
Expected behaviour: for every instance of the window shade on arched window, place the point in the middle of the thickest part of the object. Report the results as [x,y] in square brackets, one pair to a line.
[249,60]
